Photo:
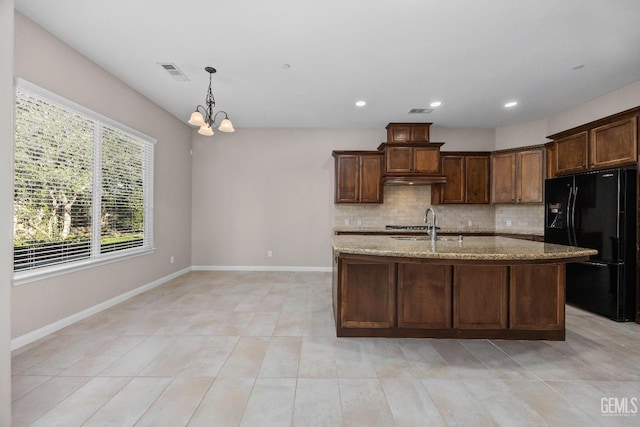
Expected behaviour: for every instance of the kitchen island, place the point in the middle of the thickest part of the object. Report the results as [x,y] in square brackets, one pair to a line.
[480,287]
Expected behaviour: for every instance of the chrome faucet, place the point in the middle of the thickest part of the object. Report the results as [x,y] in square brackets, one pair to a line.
[431,227]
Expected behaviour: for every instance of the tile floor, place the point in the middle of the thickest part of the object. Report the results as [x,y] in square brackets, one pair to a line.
[259,349]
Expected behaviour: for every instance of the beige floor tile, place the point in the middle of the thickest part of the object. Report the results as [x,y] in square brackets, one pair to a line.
[130,403]
[270,403]
[246,358]
[177,403]
[83,403]
[229,330]
[410,403]
[317,358]
[317,403]
[457,404]
[40,400]
[224,404]
[199,356]
[23,384]
[364,403]
[282,358]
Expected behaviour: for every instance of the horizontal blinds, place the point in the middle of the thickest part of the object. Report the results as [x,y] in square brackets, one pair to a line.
[122,219]
[59,194]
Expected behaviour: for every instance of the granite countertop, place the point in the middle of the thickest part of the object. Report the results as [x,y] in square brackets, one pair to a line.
[472,248]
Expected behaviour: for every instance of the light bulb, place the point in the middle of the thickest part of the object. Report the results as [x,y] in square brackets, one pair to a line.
[196,119]
[226,126]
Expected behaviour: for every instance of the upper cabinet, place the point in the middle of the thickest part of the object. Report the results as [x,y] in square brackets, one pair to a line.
[517,176]
[467,176]
[609,142]
[358,176]
[408,132]
[407,159]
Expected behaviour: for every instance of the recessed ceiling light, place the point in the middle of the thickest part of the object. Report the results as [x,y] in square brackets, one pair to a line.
[435,104]
[511,104]
[361,103]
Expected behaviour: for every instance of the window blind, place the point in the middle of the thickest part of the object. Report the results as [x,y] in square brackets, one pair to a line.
[82,184]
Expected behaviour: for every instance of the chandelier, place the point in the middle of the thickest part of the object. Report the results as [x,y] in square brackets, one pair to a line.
[204,116]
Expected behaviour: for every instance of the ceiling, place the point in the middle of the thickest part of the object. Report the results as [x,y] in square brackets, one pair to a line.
[304,63]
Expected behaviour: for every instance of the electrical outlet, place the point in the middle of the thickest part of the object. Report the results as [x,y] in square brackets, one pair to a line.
[269,253]
[508,223]
[359,221]
[172,259]
[346,221]
[470,223]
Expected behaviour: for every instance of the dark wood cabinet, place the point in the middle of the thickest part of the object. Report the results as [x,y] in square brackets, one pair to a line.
[412,159]
[572,153]
[606,143]
[517,176]
[394,297]
[358,176]
[467,176]
[408,132]
[531,283]
[614,144]
[367,294]
[424,296]
[480,297]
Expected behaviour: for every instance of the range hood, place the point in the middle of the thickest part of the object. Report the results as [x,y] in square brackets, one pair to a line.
[414,180]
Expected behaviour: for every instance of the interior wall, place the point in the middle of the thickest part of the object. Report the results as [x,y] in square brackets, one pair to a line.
[47,62]
[260,190]
[6,197]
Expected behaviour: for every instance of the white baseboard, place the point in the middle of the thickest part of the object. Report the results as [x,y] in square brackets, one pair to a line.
[259,268]
[69,320]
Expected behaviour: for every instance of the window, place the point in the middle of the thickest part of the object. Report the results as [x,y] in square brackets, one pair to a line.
[82,187]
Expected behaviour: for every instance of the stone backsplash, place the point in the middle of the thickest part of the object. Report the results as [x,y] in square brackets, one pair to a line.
[406,205]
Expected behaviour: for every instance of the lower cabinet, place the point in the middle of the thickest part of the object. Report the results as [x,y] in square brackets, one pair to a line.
[480,297]
[421,299]
[424,296]
[369,299]
[529,284]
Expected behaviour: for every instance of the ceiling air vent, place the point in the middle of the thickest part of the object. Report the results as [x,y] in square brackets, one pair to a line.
[174,72]
[421,110]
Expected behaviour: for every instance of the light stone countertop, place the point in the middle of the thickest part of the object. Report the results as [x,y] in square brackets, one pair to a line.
[479,248]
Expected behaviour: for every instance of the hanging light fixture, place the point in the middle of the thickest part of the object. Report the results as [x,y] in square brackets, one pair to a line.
[204,116]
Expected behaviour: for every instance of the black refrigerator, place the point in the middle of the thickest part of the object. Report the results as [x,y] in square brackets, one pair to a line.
[597,210]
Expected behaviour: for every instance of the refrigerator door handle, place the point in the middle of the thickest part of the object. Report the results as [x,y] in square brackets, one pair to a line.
[573,216]
[569,214]
[594,263]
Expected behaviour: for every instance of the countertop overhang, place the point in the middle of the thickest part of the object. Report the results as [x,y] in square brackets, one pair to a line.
[472,248]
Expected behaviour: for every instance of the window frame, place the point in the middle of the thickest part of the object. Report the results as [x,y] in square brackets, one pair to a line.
[95,259]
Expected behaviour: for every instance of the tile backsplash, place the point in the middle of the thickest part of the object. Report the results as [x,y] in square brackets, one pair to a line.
[406,205]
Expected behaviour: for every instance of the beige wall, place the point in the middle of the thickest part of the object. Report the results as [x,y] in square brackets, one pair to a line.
[6,197]
[257,190]
[45,61]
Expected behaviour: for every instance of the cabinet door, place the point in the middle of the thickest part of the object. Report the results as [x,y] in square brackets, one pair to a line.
[571,153]
[453,169]
[614,144]
[347,178]
[399,160]
[397,132]
[503,178]
[529,178]
[426,160]
[368,298]
[420,133]
[530,284]
[370,178]
[424,296]
[480,297]
[477,179]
